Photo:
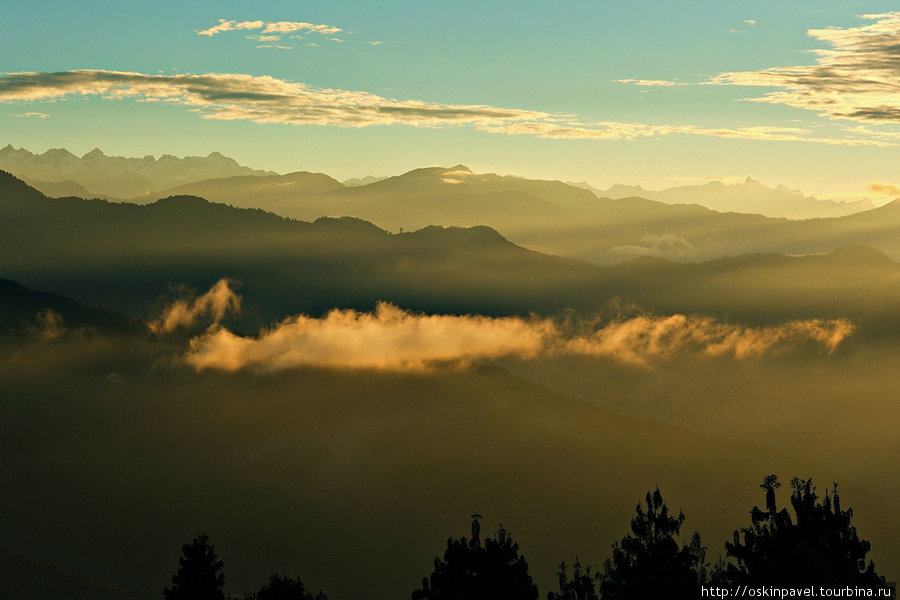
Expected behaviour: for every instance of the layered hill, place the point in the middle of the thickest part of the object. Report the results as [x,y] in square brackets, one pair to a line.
[129,257]
[556,218]
[27,312]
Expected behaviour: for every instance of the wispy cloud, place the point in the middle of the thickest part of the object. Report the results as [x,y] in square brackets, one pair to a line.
[269,27]
[750,22]
[32,115]
[612,130]
[857,78]
[395,339]
[260,99]
[651,82]
[886,189]
[264,99]
[213,306]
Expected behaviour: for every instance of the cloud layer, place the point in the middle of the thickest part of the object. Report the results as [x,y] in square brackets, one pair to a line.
[260,99]
[394,339]
[263,99]
[858,78]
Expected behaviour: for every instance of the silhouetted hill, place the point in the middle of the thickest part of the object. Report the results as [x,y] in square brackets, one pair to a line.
[24,311]
[126,256]
[129,256]
[62,189]
[562,219]
[252,191]
[422,197]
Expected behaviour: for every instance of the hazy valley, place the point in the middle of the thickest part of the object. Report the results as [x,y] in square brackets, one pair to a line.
[196,363]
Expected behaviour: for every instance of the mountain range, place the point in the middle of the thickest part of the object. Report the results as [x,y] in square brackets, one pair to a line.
[127,257]
[750,196]
[552,217]
[58,172]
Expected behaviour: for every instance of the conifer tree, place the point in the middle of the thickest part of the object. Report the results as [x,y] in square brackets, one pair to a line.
[819,546]
[649,564]
[472,570]
[199,575]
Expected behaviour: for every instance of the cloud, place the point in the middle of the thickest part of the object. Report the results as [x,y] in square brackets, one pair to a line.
[651,82]
[215,305]
[554,128]
[264,99]
[394,339]
[750,22]
[48,325]
[260,99]
[886,189]
[388,338]
[35,115]
[662,246]
[858,78]
[277,27]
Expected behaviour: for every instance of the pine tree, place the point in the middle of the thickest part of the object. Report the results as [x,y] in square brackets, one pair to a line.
[582,586]
[199,575]
[472,570]
[650,564]
[281,587]
[821,547]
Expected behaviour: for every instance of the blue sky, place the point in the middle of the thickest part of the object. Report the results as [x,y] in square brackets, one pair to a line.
[654,93]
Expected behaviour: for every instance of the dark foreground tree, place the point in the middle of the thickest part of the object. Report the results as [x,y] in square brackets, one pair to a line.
[582,586]
[650,564]
[281,587]
[820,548]
[199,575]
[472,570]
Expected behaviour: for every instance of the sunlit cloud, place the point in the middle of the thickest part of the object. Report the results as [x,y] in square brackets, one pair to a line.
[750,22]
[278,27]
[211,307]
[395,339]
[651,82]
[886,189]
[661,246]
[265,99]
[858,78]
[245,97]
[32,115]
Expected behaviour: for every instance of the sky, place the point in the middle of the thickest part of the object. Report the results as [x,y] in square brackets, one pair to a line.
[656,93]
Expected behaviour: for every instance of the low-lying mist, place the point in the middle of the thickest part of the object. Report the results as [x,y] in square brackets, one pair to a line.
[393,338]
[364,438]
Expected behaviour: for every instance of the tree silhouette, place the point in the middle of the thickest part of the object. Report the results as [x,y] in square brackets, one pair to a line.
[821,548]
[650,564]
[472,570]
[199,575]
[582,586]
[281,587]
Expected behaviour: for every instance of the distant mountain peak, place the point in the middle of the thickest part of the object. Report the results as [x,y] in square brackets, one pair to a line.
[119,176]
[59,152]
